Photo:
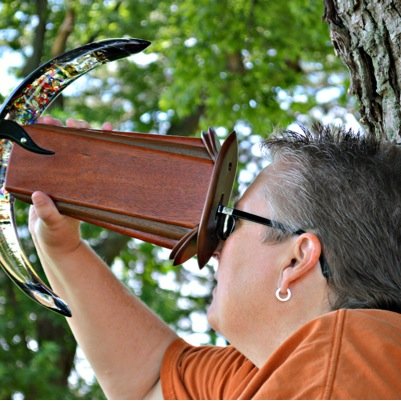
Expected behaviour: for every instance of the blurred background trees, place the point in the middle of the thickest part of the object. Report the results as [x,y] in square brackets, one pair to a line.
[249,65]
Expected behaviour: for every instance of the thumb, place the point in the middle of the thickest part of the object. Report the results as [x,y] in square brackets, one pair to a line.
[45,208]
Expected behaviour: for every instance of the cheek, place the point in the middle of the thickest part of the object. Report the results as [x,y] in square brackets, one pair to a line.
[247,276]
[236,306]
[244,267]
[236,299]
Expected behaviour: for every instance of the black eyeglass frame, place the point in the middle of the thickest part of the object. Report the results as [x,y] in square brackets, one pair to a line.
[240,214]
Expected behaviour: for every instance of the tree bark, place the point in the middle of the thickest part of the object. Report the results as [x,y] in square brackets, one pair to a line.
[110,247]
[38,39]
[187,125]
[367,37]
[63,33]
[60,44]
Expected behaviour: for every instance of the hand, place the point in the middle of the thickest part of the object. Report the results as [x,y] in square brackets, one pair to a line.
[72,123]
[52,232]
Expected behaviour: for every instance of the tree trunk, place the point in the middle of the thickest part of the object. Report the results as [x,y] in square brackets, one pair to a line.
[63,33]
[366,35]
[38,39]
[60,44]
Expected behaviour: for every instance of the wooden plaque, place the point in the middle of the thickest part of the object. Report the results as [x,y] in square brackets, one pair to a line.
[160,189]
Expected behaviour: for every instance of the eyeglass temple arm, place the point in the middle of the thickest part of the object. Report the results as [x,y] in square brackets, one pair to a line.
[271,223]
[254,218]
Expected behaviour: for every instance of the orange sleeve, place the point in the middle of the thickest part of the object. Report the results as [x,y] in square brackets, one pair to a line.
[205,372]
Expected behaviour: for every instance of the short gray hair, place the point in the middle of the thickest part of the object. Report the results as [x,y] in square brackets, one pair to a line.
[346,188]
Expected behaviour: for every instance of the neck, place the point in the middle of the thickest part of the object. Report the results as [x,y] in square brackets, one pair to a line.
[264,339]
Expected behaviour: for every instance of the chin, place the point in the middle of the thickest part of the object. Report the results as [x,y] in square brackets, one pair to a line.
[212,316]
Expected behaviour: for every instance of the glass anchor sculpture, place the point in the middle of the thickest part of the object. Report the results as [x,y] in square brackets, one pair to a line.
[161,189]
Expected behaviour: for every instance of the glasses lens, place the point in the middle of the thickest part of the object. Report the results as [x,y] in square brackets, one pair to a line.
[225,226]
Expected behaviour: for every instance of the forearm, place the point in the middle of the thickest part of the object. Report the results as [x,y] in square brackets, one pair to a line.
[121,337]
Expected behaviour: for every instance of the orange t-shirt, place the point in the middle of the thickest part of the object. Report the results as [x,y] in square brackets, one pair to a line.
[345,354]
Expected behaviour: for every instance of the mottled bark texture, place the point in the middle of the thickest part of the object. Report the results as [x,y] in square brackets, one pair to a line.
[367,37]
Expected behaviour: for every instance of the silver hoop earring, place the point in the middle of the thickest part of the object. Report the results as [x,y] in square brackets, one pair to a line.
[283,299]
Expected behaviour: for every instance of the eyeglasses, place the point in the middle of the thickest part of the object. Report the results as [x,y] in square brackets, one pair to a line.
[227,217]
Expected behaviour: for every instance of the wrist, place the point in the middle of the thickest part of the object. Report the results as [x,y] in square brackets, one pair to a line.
[63,251]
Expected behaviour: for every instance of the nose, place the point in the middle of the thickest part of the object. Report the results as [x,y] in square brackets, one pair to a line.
[217,251]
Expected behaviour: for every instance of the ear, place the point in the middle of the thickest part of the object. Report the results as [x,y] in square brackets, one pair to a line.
[306,254]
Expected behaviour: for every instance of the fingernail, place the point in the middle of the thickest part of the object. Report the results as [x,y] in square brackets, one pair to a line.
[37,199]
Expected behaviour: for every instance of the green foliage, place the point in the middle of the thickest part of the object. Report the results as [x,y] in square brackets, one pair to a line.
[230,63]
[220,61]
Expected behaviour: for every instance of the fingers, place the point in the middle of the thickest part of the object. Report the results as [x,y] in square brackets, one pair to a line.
[50,121]
[72,123]
[107,126]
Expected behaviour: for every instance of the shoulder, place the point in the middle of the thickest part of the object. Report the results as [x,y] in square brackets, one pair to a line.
[369,355]
[343,354]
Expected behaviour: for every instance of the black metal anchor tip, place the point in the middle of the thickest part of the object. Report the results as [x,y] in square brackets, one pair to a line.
[14,132]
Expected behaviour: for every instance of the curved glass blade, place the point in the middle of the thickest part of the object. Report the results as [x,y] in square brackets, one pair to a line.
[42,86]
[25,105]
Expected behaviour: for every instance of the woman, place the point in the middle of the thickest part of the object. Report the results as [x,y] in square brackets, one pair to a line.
[308,285]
